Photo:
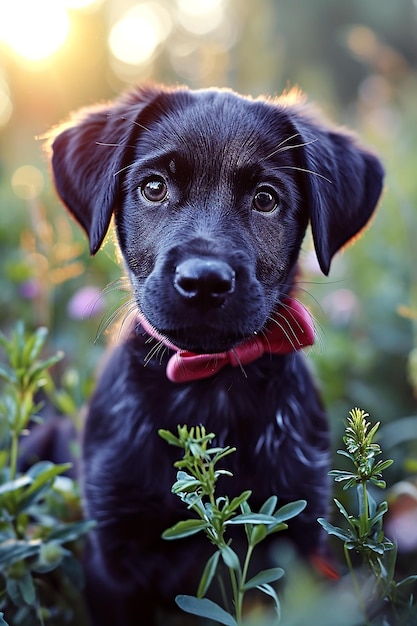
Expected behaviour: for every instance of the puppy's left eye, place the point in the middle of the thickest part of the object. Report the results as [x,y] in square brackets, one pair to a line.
[154,189]
[265,200]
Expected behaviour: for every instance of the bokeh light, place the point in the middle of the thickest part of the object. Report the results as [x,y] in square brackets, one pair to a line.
[34,30]
[136,35]
[81,4]
[27,182]
[6,106]
[200,16]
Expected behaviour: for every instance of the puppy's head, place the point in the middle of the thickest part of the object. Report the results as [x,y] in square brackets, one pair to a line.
[211,194]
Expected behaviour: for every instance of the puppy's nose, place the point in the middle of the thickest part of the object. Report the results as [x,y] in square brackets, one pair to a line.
[204,282]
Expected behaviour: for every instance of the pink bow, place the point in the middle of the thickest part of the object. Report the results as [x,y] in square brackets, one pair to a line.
[290,329]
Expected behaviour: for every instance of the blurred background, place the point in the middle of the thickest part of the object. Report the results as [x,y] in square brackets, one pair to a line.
[357,60]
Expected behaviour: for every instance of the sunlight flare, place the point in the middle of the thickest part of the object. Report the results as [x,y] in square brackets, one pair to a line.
[137,34]
[33,30]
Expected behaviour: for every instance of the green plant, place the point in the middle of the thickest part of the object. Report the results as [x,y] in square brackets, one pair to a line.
[34,506]
[364,533]
[196,486]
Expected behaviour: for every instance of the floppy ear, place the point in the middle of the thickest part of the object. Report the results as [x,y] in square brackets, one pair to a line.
[88,154]
[343,182]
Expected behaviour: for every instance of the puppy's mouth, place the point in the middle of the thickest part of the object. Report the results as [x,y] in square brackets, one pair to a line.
[202,340]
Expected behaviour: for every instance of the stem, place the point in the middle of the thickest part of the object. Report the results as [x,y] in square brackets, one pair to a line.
[364,514]
[356,585]
[223,593]
[39,613]
[239,603]
[14,450]
[236,595]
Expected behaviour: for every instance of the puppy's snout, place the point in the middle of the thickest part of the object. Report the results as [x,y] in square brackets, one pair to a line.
[204,282]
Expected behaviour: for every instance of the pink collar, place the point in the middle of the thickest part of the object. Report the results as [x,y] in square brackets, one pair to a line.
[290,329]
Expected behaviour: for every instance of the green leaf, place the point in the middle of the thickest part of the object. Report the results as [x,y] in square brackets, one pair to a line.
[222,472]
[4,343]
[13,591]
[252,518]
[350,483]
[245,508]
[266,576]
[40,368]
[378,548]
[380,512]
[43,470]
[166,435]
[184,529]
[208,574]
[12,551]
[340,475]
[73,569]
[221,453]
[34,345]
[403,582]
[7,374]
[345,514]
[378,483]
[71,532]
[43,475]
[275,528]
[334,530]
[288,511]
[382,465]
[259,532]
[230,558]
[50,557]
[27,589]
[347,455]
[15,485]
[270,591]
[185,485]
[205,608]
[269,505]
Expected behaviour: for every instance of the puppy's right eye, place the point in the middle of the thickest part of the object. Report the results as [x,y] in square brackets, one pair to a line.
[154,189]
[265,200]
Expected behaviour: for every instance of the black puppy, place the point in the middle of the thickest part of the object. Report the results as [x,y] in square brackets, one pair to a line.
[211,193]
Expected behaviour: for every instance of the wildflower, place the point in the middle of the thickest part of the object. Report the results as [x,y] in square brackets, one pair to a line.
[86,302]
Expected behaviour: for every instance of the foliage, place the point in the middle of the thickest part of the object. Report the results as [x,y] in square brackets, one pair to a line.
[364,533]
[37,508]
[196,486]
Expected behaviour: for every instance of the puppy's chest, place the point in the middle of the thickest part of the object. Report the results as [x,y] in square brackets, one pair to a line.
[239,407]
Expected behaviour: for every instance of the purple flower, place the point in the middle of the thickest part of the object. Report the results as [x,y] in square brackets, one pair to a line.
[341,306]
[30,289]
[86,302]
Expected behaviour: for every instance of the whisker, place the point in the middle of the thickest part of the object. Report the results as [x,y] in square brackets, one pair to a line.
[288,336]
[293,317]
[284,141]
[318,328]
[130,312]
[158,349]
[302,169]
[123,169]
[281,148]
[105,323]
[132,121]
[239,362]
[111,145]
[291,329]
[265,336]
[122,283]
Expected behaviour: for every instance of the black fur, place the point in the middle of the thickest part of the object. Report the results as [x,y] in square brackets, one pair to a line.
[214,151]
